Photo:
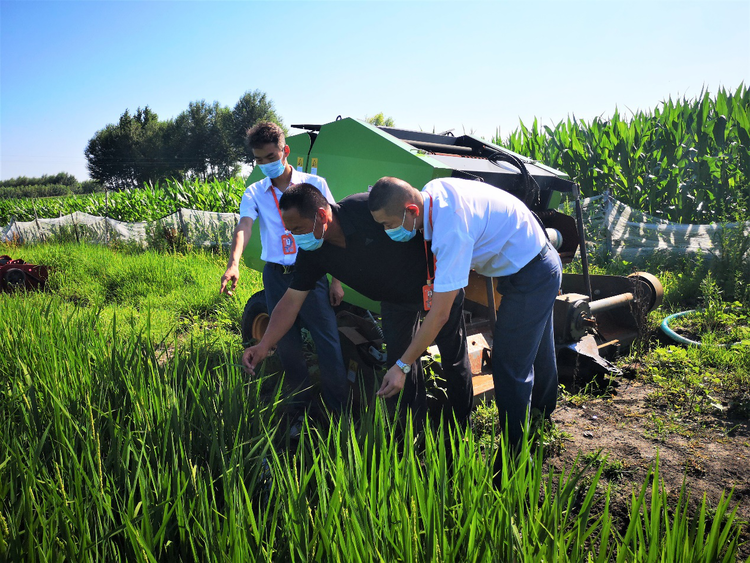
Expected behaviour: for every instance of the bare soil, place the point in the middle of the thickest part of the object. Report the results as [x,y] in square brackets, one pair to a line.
[711,454]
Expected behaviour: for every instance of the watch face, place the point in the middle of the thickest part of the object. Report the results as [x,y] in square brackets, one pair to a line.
[406,368]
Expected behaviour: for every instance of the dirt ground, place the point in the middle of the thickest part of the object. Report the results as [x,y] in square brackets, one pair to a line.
[711,454]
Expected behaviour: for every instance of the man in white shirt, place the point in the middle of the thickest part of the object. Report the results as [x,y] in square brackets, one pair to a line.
[260,201]
[476,226]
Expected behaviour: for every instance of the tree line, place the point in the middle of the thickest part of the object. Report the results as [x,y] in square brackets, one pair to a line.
[47,185]
[204,142]
[63,179]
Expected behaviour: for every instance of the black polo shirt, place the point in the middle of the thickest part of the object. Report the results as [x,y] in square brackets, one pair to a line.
[371,264]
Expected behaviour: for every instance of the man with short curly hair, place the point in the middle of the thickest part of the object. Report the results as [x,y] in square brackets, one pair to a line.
[267,144]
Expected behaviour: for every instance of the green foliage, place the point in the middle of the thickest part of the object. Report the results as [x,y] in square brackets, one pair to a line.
[687,161]
[250,109]
[202,142]
[129,433]
[63,179]
[137,284]
[205,142]
[148,203]
[380,120]
[50,190]
[133,151]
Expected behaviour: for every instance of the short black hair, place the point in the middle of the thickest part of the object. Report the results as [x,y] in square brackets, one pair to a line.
[389,194]
[305,198]
[263,133]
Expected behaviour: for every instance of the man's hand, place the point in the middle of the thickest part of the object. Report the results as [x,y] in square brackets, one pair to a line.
[229,280]
[252,356]
[393,383]
[335,292]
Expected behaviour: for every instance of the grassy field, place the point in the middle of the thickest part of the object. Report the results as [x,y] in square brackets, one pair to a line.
[129,433]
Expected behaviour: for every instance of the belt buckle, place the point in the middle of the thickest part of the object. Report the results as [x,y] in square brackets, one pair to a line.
[287,269]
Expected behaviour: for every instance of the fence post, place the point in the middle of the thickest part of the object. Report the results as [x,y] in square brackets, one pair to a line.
[182,224]
[106,215]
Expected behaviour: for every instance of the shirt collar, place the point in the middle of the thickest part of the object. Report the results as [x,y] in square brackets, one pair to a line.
[295,174]
[346,225]
[426,229]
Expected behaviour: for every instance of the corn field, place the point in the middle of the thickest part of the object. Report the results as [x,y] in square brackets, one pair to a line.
[145,204]
[688,161]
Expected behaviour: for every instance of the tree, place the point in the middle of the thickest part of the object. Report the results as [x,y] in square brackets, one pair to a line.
[380,120]
[129,153]
[203,141]
[249,110]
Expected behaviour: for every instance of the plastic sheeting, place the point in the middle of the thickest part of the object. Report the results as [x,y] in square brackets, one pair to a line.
[632,235]
[611,226]
[200,228]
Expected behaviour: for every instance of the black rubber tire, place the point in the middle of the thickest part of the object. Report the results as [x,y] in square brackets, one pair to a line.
[255,317]
[15,278]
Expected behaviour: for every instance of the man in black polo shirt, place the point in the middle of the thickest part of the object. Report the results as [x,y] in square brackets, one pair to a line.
[351,246]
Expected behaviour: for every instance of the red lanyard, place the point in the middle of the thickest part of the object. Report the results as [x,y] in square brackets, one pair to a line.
[426,252]
[288,245]
[273,191]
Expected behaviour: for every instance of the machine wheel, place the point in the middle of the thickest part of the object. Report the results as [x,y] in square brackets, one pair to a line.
[15,278]
[654,286]
[255,317]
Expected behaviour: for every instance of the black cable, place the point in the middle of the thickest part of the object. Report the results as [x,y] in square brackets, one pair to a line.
[531,192]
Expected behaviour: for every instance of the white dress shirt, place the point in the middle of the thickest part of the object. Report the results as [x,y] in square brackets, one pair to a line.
[476,226]
[258,201]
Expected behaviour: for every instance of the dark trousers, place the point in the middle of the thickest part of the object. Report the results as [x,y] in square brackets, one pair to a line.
[400,324]
[317,316]
[524,367]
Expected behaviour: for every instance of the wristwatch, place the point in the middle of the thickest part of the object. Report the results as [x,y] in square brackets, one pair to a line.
[406,368]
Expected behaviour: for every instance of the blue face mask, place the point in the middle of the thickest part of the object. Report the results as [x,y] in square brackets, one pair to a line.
[400,233]
[273,169]
[308,241]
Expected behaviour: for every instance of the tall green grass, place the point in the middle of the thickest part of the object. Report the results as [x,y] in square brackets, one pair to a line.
[175,292]
[122,445]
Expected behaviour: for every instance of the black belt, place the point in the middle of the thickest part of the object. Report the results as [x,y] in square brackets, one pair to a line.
[541,255]
[281,268]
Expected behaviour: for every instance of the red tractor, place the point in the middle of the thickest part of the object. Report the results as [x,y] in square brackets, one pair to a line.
[17,274]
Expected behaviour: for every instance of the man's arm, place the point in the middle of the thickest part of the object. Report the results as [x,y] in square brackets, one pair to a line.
[282,319]
[438,315]
[242,234]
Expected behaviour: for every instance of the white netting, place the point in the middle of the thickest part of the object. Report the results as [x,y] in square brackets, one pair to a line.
[624,231]
[199,228]
[632,234]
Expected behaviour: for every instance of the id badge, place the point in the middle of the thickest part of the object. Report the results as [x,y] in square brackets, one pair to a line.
[287,244]
[427,296]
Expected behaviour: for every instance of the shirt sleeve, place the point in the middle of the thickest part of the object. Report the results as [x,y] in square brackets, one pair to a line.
[307,272]
[248,205]
[326,191]
[453,247]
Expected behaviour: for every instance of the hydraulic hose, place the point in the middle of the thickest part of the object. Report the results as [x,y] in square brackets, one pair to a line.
[672,334]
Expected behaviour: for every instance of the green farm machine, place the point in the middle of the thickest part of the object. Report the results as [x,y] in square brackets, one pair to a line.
[596,317]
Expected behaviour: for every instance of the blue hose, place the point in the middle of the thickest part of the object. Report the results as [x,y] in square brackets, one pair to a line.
[672,334]
[681,339]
